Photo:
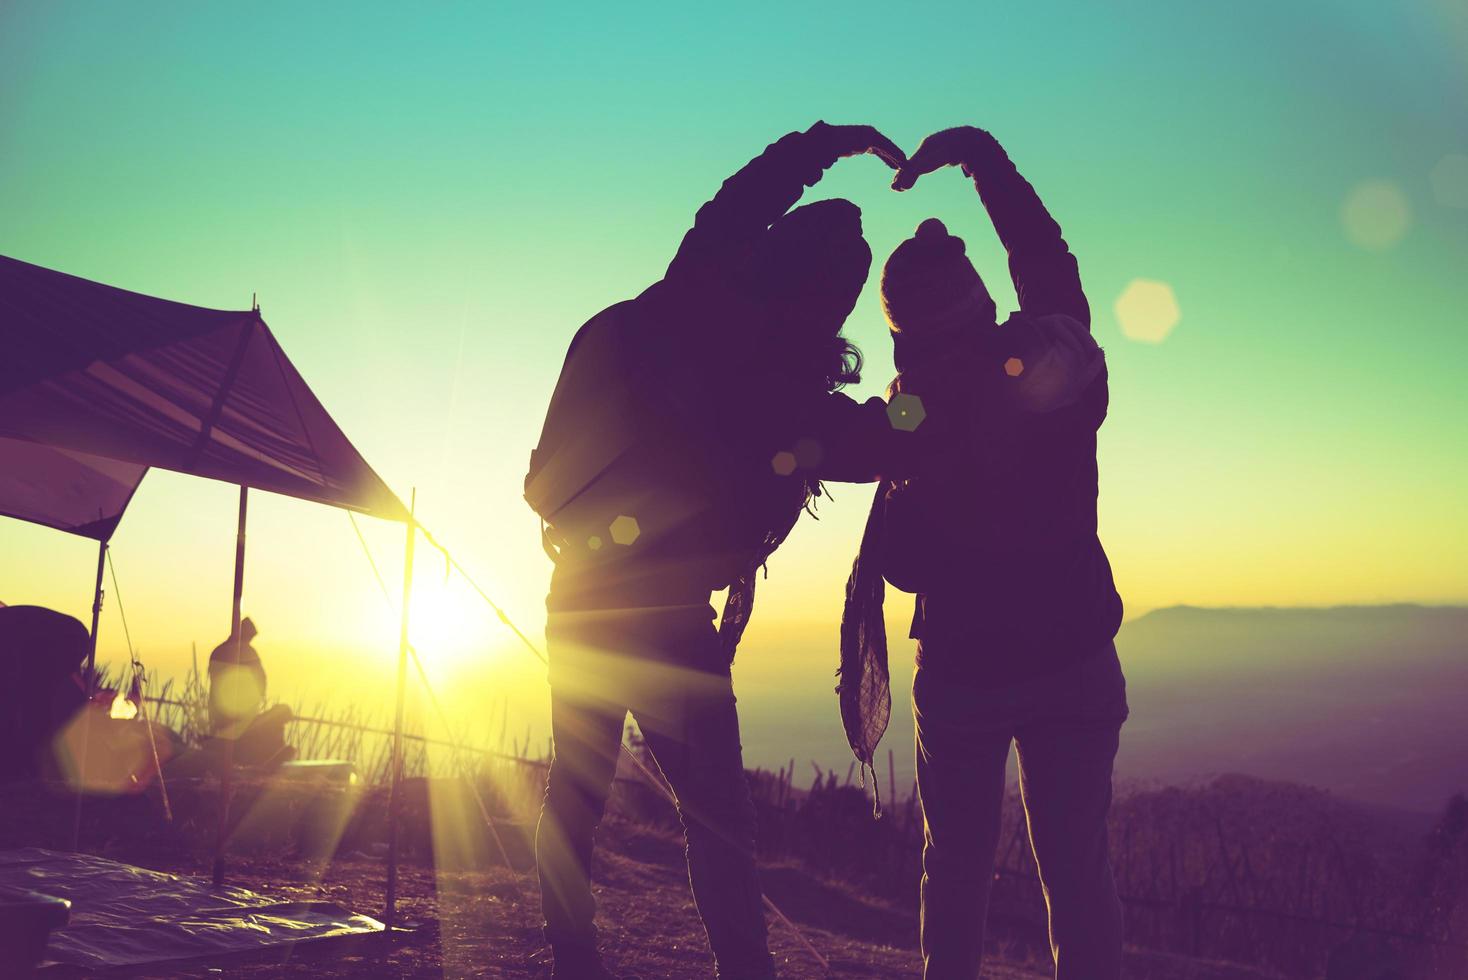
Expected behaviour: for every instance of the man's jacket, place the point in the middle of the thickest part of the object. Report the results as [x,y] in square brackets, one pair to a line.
[679,448]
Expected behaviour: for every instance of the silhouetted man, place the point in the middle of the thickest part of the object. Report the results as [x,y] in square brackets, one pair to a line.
[687,431]
[1016,608]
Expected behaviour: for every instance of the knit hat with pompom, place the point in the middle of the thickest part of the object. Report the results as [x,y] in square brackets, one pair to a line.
[929,287]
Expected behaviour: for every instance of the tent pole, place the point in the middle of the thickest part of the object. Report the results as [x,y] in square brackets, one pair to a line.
[96,620]
[226,783]
[90,688]
[395,790]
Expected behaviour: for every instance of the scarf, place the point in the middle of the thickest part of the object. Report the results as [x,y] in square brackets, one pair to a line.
[865,688]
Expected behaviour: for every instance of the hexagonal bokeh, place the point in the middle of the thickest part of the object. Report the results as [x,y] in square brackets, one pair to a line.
[1449,179]
[784,463]
[96,753]
[594,542]
[625,530]
[1014,367]
[808,454]
[1147,310]
[906,412]
[236,691]
[1376,214]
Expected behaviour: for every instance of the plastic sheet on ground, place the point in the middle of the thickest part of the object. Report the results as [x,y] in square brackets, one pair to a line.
[123,916]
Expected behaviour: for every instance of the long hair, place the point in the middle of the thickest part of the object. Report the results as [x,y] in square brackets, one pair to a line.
[845,364]
[811,269]
[809,272]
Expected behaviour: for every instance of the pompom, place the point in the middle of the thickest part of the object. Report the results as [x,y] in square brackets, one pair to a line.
[931,228]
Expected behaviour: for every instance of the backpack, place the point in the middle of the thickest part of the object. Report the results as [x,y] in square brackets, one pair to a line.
[623,470]
[591,426]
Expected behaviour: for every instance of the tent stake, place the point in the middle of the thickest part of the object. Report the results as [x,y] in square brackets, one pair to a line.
[226,781]
[90,687]
[394,799]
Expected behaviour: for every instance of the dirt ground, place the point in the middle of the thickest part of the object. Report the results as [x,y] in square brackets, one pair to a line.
[485,923]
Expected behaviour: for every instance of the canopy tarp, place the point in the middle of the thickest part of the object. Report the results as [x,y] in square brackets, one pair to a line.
[97,384]
[65,489]
[127,917]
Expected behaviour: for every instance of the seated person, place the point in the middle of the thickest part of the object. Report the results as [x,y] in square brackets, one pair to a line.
[236,683]
[42,654]
[236,695]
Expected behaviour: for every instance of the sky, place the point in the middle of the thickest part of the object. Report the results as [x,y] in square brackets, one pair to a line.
[428,201]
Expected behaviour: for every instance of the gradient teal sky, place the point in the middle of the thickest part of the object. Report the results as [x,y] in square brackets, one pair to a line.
[428,204]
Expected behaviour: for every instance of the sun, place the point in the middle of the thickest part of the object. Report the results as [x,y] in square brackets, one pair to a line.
[450,626]
[473,672]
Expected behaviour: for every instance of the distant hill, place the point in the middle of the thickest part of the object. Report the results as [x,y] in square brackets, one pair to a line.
[1366,701]
[1369,702]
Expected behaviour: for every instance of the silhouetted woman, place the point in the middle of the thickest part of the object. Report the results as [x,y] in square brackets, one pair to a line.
[1016,607]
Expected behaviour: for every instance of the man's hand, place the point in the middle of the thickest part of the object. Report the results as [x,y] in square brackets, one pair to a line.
[851,141]
[948,148]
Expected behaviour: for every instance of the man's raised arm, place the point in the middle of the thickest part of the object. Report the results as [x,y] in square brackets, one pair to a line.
[834,437]
[1045,273]
[728,226]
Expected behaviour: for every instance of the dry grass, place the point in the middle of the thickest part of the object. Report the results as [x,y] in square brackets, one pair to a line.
[1238,869]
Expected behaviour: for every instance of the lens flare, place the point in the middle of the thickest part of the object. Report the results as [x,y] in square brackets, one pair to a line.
[1449,180]
[906,412]
[1376,214]
[1147,311]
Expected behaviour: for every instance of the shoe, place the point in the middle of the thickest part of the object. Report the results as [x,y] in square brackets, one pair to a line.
[581,963]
